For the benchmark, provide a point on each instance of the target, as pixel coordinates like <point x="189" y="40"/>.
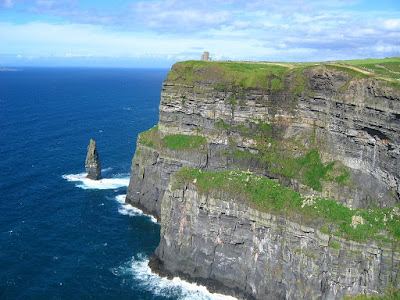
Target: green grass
<point x="270" y="196"/>
<point x="226" y="75"/>
<point x="182" y="142"/>
<point x="390" y="294"/>
<point x="152" y="139"/>
<point x="335" y="245"/>
<point x="312" y="169"/>
<point x="308" y="168"/>
<point x="387" y="67"/>
<point x="280" y="159"/>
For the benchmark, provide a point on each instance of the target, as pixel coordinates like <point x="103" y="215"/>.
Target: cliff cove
<point x="276" y="180"/>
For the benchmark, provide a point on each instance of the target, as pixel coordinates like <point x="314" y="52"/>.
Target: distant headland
<point x="8" y="69"/>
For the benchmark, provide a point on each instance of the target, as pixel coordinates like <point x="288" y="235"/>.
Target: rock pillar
<point x="92" y="163"/>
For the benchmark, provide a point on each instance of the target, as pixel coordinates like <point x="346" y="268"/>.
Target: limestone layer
<point x="253" y="254"/>
<point x="356" y="121"/>
<point x="348" y="124"/>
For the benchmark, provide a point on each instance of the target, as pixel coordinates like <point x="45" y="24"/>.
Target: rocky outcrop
<point x="92" y="163"/>
<point x="251" y="254"/>
<point x="319" y="130"/>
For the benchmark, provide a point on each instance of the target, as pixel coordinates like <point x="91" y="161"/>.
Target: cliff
<point x="329" y="133"/>
<point x="214" y="235"/>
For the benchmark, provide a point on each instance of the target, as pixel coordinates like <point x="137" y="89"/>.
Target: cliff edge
<point x="319" y="147"/>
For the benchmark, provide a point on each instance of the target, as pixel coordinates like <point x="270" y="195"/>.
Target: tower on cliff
<point x="92" y="163"/>
<point x="206" y="56"/>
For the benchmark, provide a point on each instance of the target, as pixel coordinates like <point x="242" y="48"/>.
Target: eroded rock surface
<point x="346" y="127"/>
<point x="242" y="251"/>
<point x="92" y="163"/>
<point x="355" y="124"/>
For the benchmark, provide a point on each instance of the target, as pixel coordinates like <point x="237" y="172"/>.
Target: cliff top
<point x="272" y="75"/>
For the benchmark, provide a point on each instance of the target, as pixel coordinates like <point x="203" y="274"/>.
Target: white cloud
<point x="178" y="29"/>
<point x="387" y="48"/>
<point x="392" y="24"/>
<point x="69" y="54"/>
<point x="178" y="15"/>
<point x="90" y="40"/>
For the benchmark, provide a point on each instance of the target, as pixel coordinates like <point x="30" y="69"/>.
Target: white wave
<point x="126" y="209"/>
<point x="102" y="184"/>
<point x="138" y="268"/>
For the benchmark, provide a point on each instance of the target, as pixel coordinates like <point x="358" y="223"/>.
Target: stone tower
<point x="206" y="56"/>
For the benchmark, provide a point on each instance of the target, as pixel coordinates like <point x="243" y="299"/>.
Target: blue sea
<point x="63" y="236"/>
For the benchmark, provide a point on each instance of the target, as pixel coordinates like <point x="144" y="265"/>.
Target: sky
<point x="157" y="33"/>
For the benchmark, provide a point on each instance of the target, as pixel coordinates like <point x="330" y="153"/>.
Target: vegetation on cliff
<point x="268" y="195"/>
<point x="326" y="129"/>
<point x="276" y="77"/>
<point x="298" y="157"/>
<point x="152" y="138"/>
<point x="388" y="67"/>
<point x="231" y="75"/>
<point x="390" y="294"/>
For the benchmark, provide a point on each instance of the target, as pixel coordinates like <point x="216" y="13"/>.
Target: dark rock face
<point x="256" y="255"/>
<point x="92" y="163"/>
<point x="231" y="247"/>
<point x="359" y="127"/>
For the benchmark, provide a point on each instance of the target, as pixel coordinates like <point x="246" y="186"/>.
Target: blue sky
<point x="157" y="33"/>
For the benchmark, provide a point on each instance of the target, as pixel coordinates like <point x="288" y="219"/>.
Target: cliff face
<point x="254" y="254"/>
<point x="322" y="130"/>
<point x="353" y="123"/>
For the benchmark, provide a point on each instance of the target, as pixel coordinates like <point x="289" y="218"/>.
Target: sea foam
<point x="177" y="288"/>
<point x="118" y="181"/>
<point x="126" y="209"/>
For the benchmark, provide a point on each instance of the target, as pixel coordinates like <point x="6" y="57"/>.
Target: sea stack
<point x="92" y="163"/>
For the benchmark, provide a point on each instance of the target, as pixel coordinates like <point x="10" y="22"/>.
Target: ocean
<point x="63" y="236"/>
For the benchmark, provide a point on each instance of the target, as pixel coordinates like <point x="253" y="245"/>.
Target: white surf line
<point x="160" y="286"/>
<point x="127" y="209"/>
<point x="102" y="184"/>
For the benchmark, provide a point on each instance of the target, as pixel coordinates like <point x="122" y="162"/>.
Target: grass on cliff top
<point x="152" y="139"/>
<point x="272" y="76"/>
<point x="268" y="195"/>
<point x="228" y="74"/>
<point x="388" y="67"/>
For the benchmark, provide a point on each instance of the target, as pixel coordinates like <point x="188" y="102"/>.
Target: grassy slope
<point x="387" y="67"/>
<point x="272" y="75"/>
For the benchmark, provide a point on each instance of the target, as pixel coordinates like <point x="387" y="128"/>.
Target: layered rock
<point x="319" y="130"/>
<point x="92" y="163"/>
<point x="224" y="243"/>
<point x="356" y="123"/>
